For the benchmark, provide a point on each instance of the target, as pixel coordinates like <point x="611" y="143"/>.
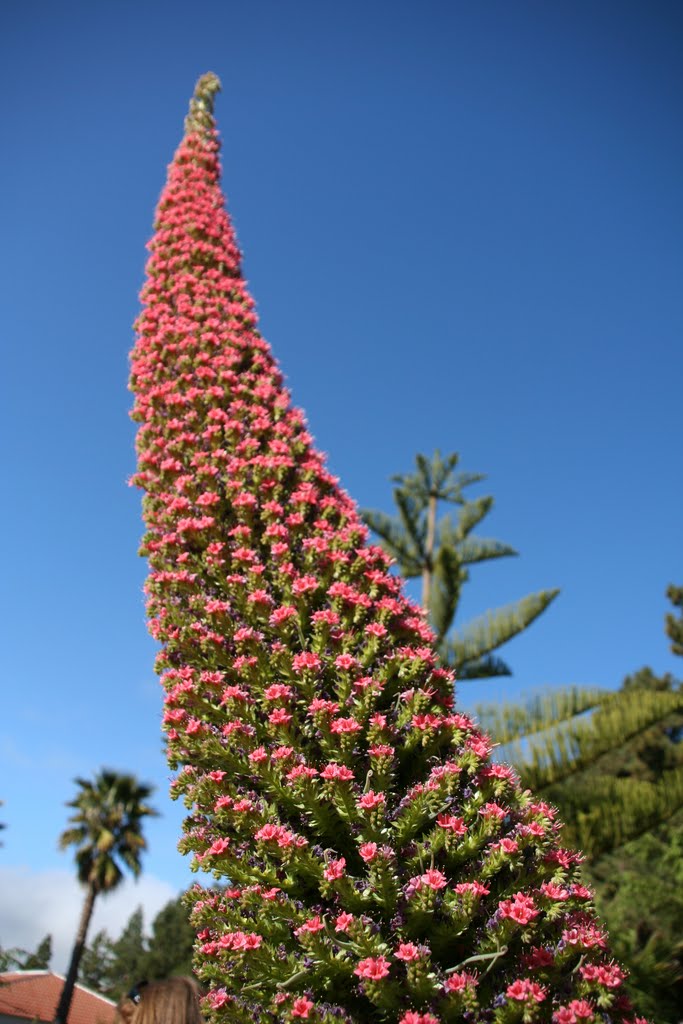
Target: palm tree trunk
<point x="64" y="1006"/>
<point x="429" y="551"/>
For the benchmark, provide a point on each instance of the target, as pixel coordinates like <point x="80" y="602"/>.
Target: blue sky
<point x="462" y="224"/>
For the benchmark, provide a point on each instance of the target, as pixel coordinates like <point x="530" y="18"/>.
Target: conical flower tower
<point x="373" y="863"/>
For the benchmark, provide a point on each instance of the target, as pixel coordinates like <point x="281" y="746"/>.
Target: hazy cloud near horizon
<point x="37" y="903"/>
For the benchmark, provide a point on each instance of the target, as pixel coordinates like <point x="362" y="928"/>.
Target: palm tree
<point x="106" y="830"/>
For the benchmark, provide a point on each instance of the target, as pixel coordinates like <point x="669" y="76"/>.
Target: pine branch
<point x="492" y="630"/>
<point x="618" y="810"/>
<point x="508" y="723"/>
<point x="394" y="541"/>
<point x="489" y="667"/>
<point x="481" y="549"/>
<point x="551" y="758"/>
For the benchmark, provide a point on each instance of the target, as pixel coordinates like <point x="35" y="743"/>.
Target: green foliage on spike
<point x="442" y="551"/>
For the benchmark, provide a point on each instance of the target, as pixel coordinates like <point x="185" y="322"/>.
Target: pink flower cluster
<point x="356" y="814"/>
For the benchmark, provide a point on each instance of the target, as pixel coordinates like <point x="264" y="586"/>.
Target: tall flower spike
<point x="377" y="864"/>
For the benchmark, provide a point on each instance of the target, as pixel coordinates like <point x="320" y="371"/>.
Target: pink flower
<point x="279" y="717"/>
<point x="523" y="990"/>
<point x="434" y="879"/>
<point x="334" y="869"/>
<point x="301" y="1007"/>
<point x="217" y="848"/>
<point x="537" y="957"/>
<point x="554" y="892"/>
<point x="282" y="753"/>
<point x="520" y="908"/>
<point x="341" y="725"/>
<point x="370" y="800"/>
<point x="408" y="951"/>
<point x="368" y="851"/>
<point x="318" y="705"/>
<point x="326" y="616"/>
<point x="336" y="772"/>
<point x="506" y="845"/>
<point x="581" y="1009"/>
<point x="278" y="691"/>
<point x="268" y="832"/>
<point x="343" y="921"/>
<point x="459" y="981"/>
<point x="313" y="925"/>
<point x="305" y="660"/>
<point x="301" y="771"/>
<point x="304" y="585"/>
<point x="218" y="997"/>
<point x="452" y="824"/>
<point x="609" y="975"/>
<point x="564" y="1016"/>
<point x="492" y="810"/>
<point x="243" y="805"/>
<point x="498" y="771"/>
<point x="281" y="615"/>
<point x="381" y="750"/>
<point x="345" y="662"/>
<point x="374" y="968"/>
<point x="475" y="887"/>
<point x="426" y="721"/>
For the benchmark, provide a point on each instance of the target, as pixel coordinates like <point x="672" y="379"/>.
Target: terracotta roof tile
<point x="33" y="995"/>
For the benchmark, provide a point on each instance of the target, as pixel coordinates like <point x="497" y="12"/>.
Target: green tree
<point x="106" y="831"/>
<point x="17" y="959"/>
<point x="96" y="969"/>
<point x="612" y="761"/>
<point x="129" y="953"/>
<point x="639" y="892"/>
<point x="441" y="551"/>
<point x="170" y="947"/>
<point x="40" y="959"/>
<point x="573" y="748"/>
<point x="113" y="966"/>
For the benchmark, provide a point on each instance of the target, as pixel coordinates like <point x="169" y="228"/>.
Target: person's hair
<point x="173" y="1001"/>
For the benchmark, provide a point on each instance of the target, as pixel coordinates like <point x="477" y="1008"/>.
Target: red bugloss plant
<point x="376" y="864"/>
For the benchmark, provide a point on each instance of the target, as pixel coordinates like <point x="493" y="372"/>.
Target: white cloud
<point x="35" y="903"/>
